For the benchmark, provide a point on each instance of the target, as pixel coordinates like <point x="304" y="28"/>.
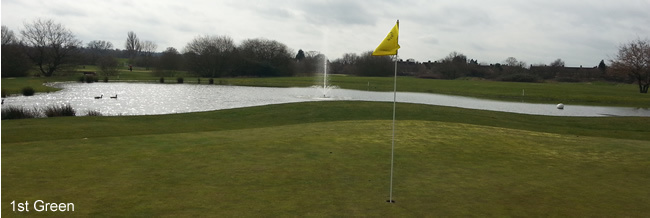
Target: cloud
<point x="536" y="31"/>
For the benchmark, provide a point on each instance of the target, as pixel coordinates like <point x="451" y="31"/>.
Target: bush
<point x="211" y="81"/>
<point x="179" y="80"/>
<point x="60" y="111"/>
<point x="4" y="93"/>
<point x="88" y="79"/>
<point x="162" y="80"/>
<point x="567" y="80"/>
<point x="15" y="112"/>
<point x="28" y="91"/>
<point x="520" y="77"/>
<point x="199" y="81"/>
<point x="105" y="79"/>
<point x="94" y="114"/>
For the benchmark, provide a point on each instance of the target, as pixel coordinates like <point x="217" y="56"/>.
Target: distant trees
<point x="96" y="49"/>
<point x="108" y="65"/>
<point x="208" y="56"/>
<point x="132" y="45"/>
<point x="454" y="66"/>
<point x="14" y="61"/>
<point x="264" y="57"/>
<point x="170" y="61"/>
<point x="633" y="59"/>
<point x="50" y="45"/>
<point x="368" y="65"/>
<point x="148" y="49"/>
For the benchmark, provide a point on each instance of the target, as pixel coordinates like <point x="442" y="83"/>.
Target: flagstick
<point x="392" y="152"/>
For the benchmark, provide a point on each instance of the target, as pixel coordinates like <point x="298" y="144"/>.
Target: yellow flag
<point x="389" y="46"/>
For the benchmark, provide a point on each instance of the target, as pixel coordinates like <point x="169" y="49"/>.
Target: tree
<point x="132" y="46"/>
<point x="108" y="65"/>
<point x="170" y="61"/>
<point x="14" y="61"/>
<point x="8" y="36"/>
<point x="96" y="49"/>
<point x="454" y="66"/>
<point x="264" y="57"/>
<point x="633" y="59"/>
<point x="300" y="55"/>
<point x="148" y="49"/>
<point x="369" y="65"/>
<point x="602" y="66"/>
<point x="210" y="56"/>
<point x="50" y="45"/>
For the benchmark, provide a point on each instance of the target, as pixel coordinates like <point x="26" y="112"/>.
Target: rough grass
<point x="59" y="111"/>
<point x="333" y="169"/>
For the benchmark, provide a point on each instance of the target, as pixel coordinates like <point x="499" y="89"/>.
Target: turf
<point x="330" y="159"/>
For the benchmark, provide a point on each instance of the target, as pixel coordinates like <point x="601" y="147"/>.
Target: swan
<point x="96" y="97"/>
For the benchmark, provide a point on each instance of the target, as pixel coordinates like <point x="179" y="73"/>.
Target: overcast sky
<point x="580" y="32"/>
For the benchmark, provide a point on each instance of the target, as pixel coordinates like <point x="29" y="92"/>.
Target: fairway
<point x="275" y="161"/>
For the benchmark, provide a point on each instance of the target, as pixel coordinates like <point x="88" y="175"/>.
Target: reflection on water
<point x="145" y="99"/>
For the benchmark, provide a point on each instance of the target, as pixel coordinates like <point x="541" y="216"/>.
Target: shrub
<point x="567" y="79"/>
<point x="179" y="80"/>
<point x="60" y="111"/>
<point x="15" y="112"/>
<point x="105" y="79"/>
<point x="199" y="81"/>
<point x="28" y="91"/>
<point x="520" y="77"/>
<point x="90" y="79"/>
<point x="94" y="114"/>
<point x="162" y="80"/>
<point x="4" y="93"/>
<point x="211" y="81"/>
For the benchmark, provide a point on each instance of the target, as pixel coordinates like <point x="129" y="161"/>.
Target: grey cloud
<point x="339" y="12"/>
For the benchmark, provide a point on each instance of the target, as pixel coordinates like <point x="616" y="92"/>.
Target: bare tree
<point x="208" y="56"/>
<point x="100" y="45"/>
<point x="633" y="59"/>
<point x="96" y="49"/>
<point x="170" y="61"/>
<point x="50" y="45"/>
<point x="108" y="65"/>
<point x="148" y="49"/>
<point x="132" y="45"/>
<point x="8" y="36"/>
<point x="14" y="61"/>
<point x="265" y="57"/>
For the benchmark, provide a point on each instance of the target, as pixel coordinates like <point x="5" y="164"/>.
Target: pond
<point x="148" y="99"/>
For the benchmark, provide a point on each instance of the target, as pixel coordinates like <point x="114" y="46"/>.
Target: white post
<point x="392" y="153"/>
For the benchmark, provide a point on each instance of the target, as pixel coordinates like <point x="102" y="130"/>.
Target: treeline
<point x="55" y="50"/>
<point x="457" y="65"/>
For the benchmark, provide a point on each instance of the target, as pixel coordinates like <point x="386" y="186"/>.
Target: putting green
<point x="333" y="169"/>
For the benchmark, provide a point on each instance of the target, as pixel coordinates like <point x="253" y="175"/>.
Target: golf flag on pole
<point x="389" y="46"/>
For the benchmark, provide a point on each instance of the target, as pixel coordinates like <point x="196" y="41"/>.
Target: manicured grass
<point x="330" y="159"/>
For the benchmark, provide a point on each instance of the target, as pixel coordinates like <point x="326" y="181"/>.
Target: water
<point x="146" y="99"/>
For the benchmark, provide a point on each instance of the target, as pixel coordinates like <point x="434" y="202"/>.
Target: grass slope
<point x="295" y="113"/>
<point x="330" y="159"/>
